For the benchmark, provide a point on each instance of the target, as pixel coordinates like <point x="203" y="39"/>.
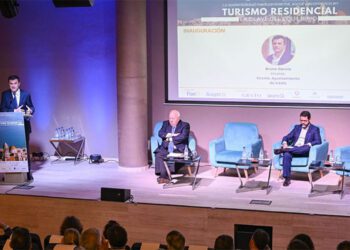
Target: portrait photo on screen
<point x="278" y="50"/>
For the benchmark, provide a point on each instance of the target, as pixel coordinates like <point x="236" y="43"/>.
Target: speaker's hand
<point x="19" y="109"/>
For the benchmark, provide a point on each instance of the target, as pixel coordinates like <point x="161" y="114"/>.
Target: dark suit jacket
<point x="286" y="57"/>
<point x="312" y="136"/>
<point x="180" y="141"/>
<point x="8" y="104"/>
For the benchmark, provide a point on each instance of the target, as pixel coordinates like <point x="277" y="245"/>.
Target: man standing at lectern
<point x="17" y="100"/>
<point x="298" y="143"/>
<point x="174" y="134"/>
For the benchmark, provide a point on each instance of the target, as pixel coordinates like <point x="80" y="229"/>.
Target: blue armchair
<point x="343" y="154"/>
<point x="229" y="147"/>
<point x="302" y="164"/>
<point x="156" y="140"/>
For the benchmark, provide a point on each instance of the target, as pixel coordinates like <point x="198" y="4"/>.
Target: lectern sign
<point x="13" y="148"/>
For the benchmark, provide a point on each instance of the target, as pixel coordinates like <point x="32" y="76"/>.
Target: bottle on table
<point x="244" y="155"/>
<point x="186" y="154"/>
<point x="261" y="155"/>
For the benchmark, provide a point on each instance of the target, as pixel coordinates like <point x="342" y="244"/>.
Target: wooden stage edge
<point x="151" y="223"/>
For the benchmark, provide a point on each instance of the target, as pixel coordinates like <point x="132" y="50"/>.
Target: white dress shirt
<point x="301" y="139"/>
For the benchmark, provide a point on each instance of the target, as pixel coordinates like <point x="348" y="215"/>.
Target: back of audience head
<point x="259" y="240"/>
<point x="175" y="240"/>
<point x="71" y="222"/>
<point x="108" y="225"/>
<point x="71" y="237"/>
<point x="296" y="244"/>
<point x="344" y="245"/>
<point x="306" y="239"/>
<point x="224" y="242"/>
<point x="91" y="239"/>
<point x="117" y="236"/>
<point x="20" y="239"/>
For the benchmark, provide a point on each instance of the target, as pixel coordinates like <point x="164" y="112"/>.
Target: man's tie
<point x="14" y="99"/>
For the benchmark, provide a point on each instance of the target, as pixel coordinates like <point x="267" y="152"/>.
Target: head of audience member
<point x="297" y="244"/>
<point x="71" y="222"/>
<point x="278" y="45"/>
<point x="117" y="237"/>
<point x="108" y="225"/>
<point x="305" y="117"/>
<point x="259" y="240"/>
<point x="174" y="117"/>
<point x="21" y="239"/>
<point x="71" y="237"/>
<point x="14" y="83"/>
<point x="344" y="245"/>
<point x="91" y="239"/>
<point x="224" y="242"/>
<point x="175" y="241"/>
<point x="306" y="239"/>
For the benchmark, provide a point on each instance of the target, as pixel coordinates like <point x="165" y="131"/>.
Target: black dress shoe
<point x="278" y="151"/>
<point x="286" y="182"/>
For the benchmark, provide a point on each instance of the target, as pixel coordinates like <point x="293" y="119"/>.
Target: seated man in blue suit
<point x="298" y="143"/>
<point x="174" y="134"/>
<point x="17" y="100"/>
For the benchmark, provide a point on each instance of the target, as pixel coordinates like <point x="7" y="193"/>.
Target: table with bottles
<point x="69" y="138"/>
<point x="246" y="163"/>
<point x="186" y="158"/>
<point x="333" y="166"/>
<point x="252" y="185"/>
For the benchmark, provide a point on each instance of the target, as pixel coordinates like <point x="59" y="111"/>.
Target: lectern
<point x="13" y="148"/>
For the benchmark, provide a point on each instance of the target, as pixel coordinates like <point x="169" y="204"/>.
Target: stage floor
<point x="84" y="180"/>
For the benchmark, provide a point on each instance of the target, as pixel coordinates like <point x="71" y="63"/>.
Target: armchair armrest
<point x="318" y="152"/>
<point x="192" y="144"/>
<point x="154" y="143"/>
<point x="254" y="148"/>
<point x="277" y="145"/>
<point x="215" y="146"/>
<point x="343" y="153"/>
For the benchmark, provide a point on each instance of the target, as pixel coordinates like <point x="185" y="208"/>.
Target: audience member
<point x="6" y="233"/>
<point x="224" y="242"/>
<point x="71" y="237"/>
<point x="68" y="222"/>
<point x="20" y="239"/>
<point x="71" y="222"/>
<point x="175" y="241"/>
<point x="91" y="239"/>
<point x="344" y="245"/>
<point x="306" y="239"/>
<point x="109" y="224"/>
<point x="117" y="237"/>
<point x="259" y="240"/>
<point x="297" y="244"/>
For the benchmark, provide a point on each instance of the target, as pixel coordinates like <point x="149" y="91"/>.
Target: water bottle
<point x="171" y="147"/>
<point x="244" y="155"/>
<point x="57" y="133"/>
<point x="331" y="156"/>
<point x="186" y="152"/>
<point x="261" y="155"/>
<point x="338" y="159"/>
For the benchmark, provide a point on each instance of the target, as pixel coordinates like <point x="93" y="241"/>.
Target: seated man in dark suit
<point x="298" y="143"/>
<point x="17" y="100"/>
<point x="174" y="134"/>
